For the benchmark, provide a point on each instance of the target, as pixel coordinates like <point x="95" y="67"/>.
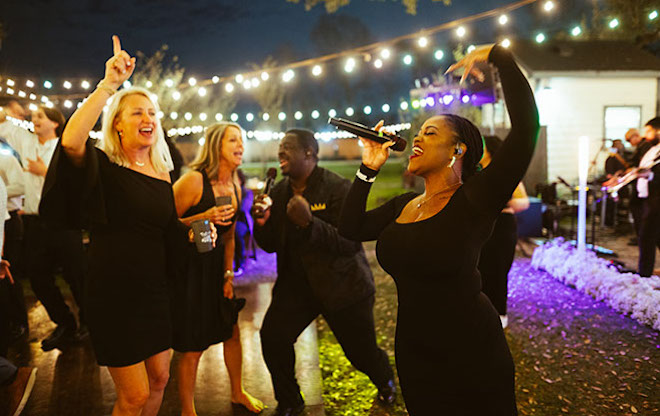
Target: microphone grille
<point x="271" y="173"/>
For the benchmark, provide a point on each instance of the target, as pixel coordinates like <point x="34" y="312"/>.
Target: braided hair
<point x="467" y="133"/>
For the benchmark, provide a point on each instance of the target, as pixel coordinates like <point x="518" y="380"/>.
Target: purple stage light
<point x="447" y="99"/>
<point x="465" y="99"/>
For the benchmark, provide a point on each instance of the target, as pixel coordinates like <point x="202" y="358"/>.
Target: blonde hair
<point x="111" y="143"/>
<point x="208" y="158"/>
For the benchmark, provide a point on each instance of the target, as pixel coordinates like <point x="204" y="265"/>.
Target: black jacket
<point x="336" y="268"/>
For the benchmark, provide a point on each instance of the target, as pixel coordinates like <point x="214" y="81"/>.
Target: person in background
<point x="16" y="382"/>
<point x="208" y="285"/>
<point x="11" y="295"/>
<point x="648" y="189"/>
<point x="498" y="252"/>
<point x="244" y="224"/>
<point x="318" y="272"/>
<point x="615" y="163"/>
<point x="47" y="246"/>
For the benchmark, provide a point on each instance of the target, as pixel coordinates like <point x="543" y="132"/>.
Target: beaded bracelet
<point x="104" y="87"/>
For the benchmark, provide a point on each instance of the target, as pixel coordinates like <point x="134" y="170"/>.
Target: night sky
<point x="60" y="39"/>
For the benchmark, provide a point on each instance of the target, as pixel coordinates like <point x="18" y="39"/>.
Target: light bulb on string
<point x="378" y="63"/>
<point x="281" y="116"/>
<point x="385" y="108"/>
<point x="215" y="79"/>
<point x="548" y="6"/>
<point x="33" y="97"/>
<point x="315" y="114"/>
<point x="653" y="15"/>
<point x="233" y="117"/>
<point x="176" y="95"/>
<point x="288" y="75"/>
<point x="10" y="82"/>
<point x="192" y="81"/>
<point x="218" y="117"/>
<point x="174" y="115"/>
<point x="264" y="76"/>
<point x="66" y="85"/>
<point x="169" y="83"/>
<point x="438" y="55"/>
<point x="385" y="53"/>
<point x="470" y="48"/>
<point x="317" y="70"/>
<point x="22" y="94"/>
<point x="576" y="31"/>
<point x="247" y="84"/>
<point x="540" y="38"/>
<point x="29" y="84"/>
<point x="349" y="66"/>
<point x="229" y="87"/>
<point x="265" y="117"/>
<point x="407" y="59"/>
<point x="505" y="43"/>
<point x="239" y="79"/>
<point x="127" y="84"/>
<point x="403" y="105"/>
<point x="48" y="85"/>
<point x="614" y="23"/>
<point x="350" y="111"/>
<point x="255" y="82"/>
<point x="249" y="117"/>
<point x="202" y="116"/>
<point x="149" y="84"/>
<point x="298" y="115"/>
<point x="460" y="32"/>
<point x="366" y="110"/>
<point x="503" y="19"/>
<point x="188" y="116"/>
<point x="423" y="42"/>
<point x="332" y="112"/>
<point x="201" y="91"/>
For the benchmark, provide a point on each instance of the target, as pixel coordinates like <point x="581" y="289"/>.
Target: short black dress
<point x="202" y="316"/>
<point x="451" y="354"/>
<point x="134" y="236"/>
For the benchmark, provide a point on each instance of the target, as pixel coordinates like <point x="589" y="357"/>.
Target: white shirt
<point x="29" y="147"/>
<point x="13" y="176"/>
<point x="647" y="162"/>
<point x="3" y="214"/>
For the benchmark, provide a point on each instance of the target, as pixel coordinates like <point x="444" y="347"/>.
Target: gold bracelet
<point x="104" y="87"/>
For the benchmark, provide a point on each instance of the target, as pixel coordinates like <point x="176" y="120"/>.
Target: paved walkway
<point x="71" y="383"/>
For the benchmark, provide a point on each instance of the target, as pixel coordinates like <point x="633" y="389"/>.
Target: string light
<point x="127" y="84"/>
<point x="288" y="75"/>
<point x="576" y="31"/>
<point x="548" y="5"/>
<point x="265" y="117"/>
<point x="239" y="79"/>
<point x="350" y="65"/>
<point x="385" y="108"/>
<point x="10" y="82"/>
<point x="317" y="70"/>
<point x="192" y="81"/>
<point x="234" y="117"/>
<point x="505" y="43"/>
<point x="403" y="105"/>
<point x="614" y="23"/>
<point x="22" y="94"/>
<point x="298" y="115"/>
<point x="264" y="76"/>
<point x="385" y="53"/>
<point x="188" y="116"/>
<point x="48" y="85"/>
<point x="247" y="84"/>
<point x="281" y="116"/>
<point x="438" y="55"/>
<point x="174" y="115"/>
<point x="315" y="114"/>
<point x="176" y="95"/>
<point x="33" y="107"/>
<point x="249" y="117"/>
<point x="169" y="83"/>
<point x="471" y="48"/>
<point x="255" y="82"/>
<point x="504" y="19"/>
<point x="378" y="63"/>
<point x="423" y="42"/>
<point x="215" y="79"/>
<point x="350" y="111"/>
<point x="202" y="116"/>
<point x="366" y="110"/>
<point x="460" y="32"/>
<point x="29" y="84"/>
<point x="33" y="97"/>
<point x="540" y="38"/>
<point x="332" y="112"/>
<point x="407" y="59"/>
<point x="653" y="15"/>
<point x="201" y="91"/>
<point x="66" y="85"/>
<point x="229" y="87"/>
<point x="218" y="117"/>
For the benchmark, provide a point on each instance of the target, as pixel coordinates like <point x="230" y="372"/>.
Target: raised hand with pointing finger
<point x="119" y="67"/>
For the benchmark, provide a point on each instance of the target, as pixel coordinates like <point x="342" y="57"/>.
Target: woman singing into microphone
<point x="451" y="353"/>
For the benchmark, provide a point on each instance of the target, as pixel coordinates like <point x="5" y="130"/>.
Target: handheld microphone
<point x="367" y="133"/>
<point x="271" y="174"/>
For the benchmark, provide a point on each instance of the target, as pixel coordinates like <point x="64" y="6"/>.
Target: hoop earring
<point x="453" y="160"/>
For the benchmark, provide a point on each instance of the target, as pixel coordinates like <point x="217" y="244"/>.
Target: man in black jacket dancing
<point x="319" y="272"/>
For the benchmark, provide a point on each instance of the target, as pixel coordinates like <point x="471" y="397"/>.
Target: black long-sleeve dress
<point x="135" y="238"/>
<point x="451" y="353"/>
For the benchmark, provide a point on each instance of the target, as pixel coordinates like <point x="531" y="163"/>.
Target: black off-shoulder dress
<point x="451" y="353"/>
<point x="134" y="237"/>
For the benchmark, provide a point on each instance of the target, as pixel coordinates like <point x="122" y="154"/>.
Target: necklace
<point x="140" y="164"/>
<point x="455" y="186"/>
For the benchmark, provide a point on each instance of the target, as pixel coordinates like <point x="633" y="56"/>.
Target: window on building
<point x="619" y="119"/>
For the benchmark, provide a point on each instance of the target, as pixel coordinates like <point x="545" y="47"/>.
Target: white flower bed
<point x="627" y="293"/>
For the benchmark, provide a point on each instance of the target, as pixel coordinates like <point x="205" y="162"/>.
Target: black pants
<point x="636" y="207"/>
<point x="290" y="313"/>
<point x="48" y="248"/>
<point x="649" y="235"/>
<point x="496" y="259"/>
<point x="11" y="296"/>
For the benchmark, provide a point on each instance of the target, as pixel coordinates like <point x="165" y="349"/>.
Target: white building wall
<point x="574" y="107"/>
